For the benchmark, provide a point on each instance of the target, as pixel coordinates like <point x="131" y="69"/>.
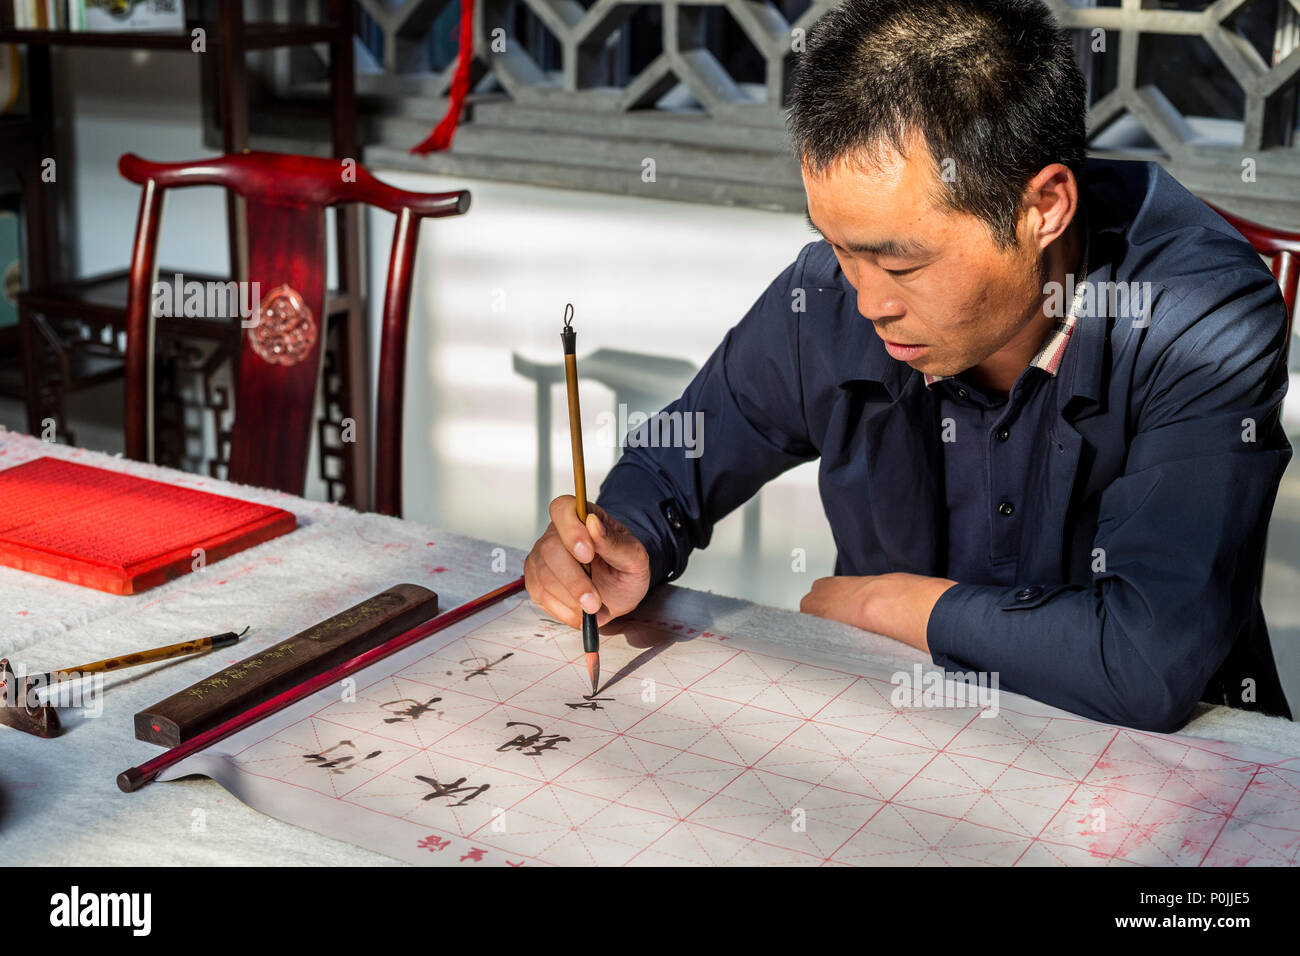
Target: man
<point x="1045" y="391"/>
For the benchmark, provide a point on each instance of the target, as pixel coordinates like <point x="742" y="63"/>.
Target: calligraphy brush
<point x="200" y="646"/>
<point x="590" y="636"/>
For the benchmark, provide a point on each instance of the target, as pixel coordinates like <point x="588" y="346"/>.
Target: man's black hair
<point x="991" y="85"/>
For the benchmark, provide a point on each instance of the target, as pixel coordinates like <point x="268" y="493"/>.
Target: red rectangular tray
<point x="119" y="533"/>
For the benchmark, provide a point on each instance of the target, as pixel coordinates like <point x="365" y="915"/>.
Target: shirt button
<point x="1029" y="593"/>
<point x="1003" y="434"/>
<point x="962" y="393"/>
<point x="671" y="514"/>
<point x="1006" y="508"/>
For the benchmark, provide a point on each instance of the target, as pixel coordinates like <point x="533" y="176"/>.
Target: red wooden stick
<point x="137" y="777"/>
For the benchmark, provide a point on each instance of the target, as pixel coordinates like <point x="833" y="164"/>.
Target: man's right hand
<point x="620" y="567"/>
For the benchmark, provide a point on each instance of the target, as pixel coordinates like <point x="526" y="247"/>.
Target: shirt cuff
<point x="632" y="497"/>
<point x="949" y="626"/>
<point x="964" y="619"/>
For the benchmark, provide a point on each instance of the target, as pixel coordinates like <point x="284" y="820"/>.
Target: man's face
<point x="938" y="290"/>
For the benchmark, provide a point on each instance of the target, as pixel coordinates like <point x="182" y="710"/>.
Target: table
<point x="336" y="558"/>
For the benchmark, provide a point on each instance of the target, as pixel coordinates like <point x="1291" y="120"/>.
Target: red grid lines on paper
<point x="713" y="753"/>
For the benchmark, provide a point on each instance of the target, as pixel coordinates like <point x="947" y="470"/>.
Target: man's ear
<point x="1049" y="203"/>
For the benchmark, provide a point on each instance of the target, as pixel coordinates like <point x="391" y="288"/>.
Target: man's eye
<point x="902" y="272"/>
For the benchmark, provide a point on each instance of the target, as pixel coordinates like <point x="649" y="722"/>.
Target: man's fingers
<point x="574" y="534"/>
<point x="571" y="592"/>
<point x="536" y="593"/>
<point x="617" y="546"/>
<point x="600" y="522"/>
<point x="598" y="528"/>
<point x="539" y="593"/>
<point x="814" y="602"/>
<point x="571" y="579"/>
<point x="558" y="609"/>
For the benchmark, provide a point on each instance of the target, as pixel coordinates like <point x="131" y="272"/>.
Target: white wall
<point x="112" y="102"/>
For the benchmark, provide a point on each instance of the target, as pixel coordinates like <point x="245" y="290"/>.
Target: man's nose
<point x="876" y="303"/>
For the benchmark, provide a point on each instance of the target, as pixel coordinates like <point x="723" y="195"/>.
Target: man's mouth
<point x="903" y="350"/>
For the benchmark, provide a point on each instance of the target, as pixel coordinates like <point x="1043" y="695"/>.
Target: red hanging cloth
<point x="441" y="136"/>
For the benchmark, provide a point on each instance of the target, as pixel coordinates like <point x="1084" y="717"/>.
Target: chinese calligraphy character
<point x="589" y="703"/>
<point x="338" y="764"/>
<point x="412" y="712"/>
<point x="530" y="740"/>
<point x="433" y="843"/>
<point x="450" y="790"/>
<point x="474" y="854"/>
<point x="487" y="666"/>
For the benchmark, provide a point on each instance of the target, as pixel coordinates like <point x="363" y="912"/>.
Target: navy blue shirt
<point x="1125" y="584"/>
<point x="991" y="444"/>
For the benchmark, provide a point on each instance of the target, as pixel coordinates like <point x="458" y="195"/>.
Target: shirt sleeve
<point x="744" y="414"/>
<point x="1180" y="535"/>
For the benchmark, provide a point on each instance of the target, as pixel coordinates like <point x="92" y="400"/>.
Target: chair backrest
<point x="283" y="344"/>
<point x="1282" y="247"/>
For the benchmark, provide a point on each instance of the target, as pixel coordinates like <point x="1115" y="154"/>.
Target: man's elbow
<point x="1160" y="704"/>
<point x="1155" y="671"/>
<point x="1162" y="720"/>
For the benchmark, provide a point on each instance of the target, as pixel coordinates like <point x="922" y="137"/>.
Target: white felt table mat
<point x="59" y="803"/>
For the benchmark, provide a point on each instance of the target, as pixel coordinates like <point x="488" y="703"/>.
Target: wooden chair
<point x="280" y="358"/>
<point x="1282" y="247"/>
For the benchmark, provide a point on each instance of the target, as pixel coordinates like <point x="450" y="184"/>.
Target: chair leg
<point x="354" y="364"/>
<point x="43" y="383"/>
<point x="329" y="427"/>
<point x="31" y="369"/>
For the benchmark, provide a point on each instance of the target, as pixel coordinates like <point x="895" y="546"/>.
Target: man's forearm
<point x="897" y="605"/>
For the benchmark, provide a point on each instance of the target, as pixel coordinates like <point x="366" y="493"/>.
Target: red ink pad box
<point x="118" y="533"/>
